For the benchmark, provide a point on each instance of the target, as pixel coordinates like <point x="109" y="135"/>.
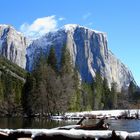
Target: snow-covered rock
<point x="13" y="45"/>
<point x="89" y="53"/>
<point x="69" y="134"/>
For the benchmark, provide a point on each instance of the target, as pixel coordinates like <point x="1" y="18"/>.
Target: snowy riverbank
<point x="50" y="134"/>
<point x="104" y="113"/>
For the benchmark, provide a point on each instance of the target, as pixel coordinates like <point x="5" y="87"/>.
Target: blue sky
<point x="120" y="19"/>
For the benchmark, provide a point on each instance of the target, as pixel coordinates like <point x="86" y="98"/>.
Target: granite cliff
<point x="88" y="50"/>
<point x="13" y="45"/>
<point x="89" y="53"/>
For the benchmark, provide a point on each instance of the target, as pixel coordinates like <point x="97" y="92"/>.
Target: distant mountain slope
<point x="6" y="66"/>
<point x="13" y="45"/>
<point x="89" y="53"/>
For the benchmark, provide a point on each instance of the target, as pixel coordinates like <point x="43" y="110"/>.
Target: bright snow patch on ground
<point x="75" y="133"/>
<point x="104" y="112"/>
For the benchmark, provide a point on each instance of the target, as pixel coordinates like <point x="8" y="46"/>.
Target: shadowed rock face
<point x="13" y="45"/>
<point x="88" y="50"/>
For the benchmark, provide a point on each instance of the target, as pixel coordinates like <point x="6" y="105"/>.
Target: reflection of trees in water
<point x="16" y="123"/>
<point x="12" y="123"/>
<point x="27" y="123"/>
<point x="41" y="123"/>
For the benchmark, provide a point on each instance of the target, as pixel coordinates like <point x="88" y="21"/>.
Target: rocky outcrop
<point x="13" y="45"/>
<point x="89" y="53"/>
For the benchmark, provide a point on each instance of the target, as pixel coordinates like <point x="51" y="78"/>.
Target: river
<point x="15" y="123"/>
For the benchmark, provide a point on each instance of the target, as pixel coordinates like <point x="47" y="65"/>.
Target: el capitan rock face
<point x="88" y="50"/>
<point x="13" y="45"/>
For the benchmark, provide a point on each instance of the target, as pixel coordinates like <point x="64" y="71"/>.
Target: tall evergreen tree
<point x="27" y="99"/>
<point x="113" y="95"/>
<point x="131" y="89"/>
<point x="105" y="94"/>
<point x="52" y="61"/>
<point x="1" y="91"/>
<point x="75" y="103"/>
<point x="66" y="63"/>
<point x="87" y="96"/>
<point x="97" y="89"/>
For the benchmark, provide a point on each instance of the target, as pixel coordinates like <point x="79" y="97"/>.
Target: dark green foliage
<point x="66" y="64"/>
<point x="75" y="102"/>
<point x="98" y="91"/>
<point x="106" y="95"/>
<point x="131" y="89"/>
<point x="11" y="84"/>
<point x="113" y="96"/>
<point x="27" y="93"/>
<point x="11" y="89"/>
<point x="134" y="94"/>
<point x="52" y="92"/>
<point x="103" y="96"/>
<point x="52" y="61"/>
<point x="49" y="90"/>
<point x="5" y="64"/>
<point x="87" y="97"/>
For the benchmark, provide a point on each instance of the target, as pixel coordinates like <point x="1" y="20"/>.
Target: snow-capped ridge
<point x="69" y="27"/>
<point x="7" y="26"/>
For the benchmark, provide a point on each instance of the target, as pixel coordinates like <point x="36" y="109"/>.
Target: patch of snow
<point x="135" y="135"/>
<point x="68" y="27"/>
<point x="104" y="112"/>
<point x="72" y="27"/>
<point x="122" y="134"/>
<point x="75" y="133"/>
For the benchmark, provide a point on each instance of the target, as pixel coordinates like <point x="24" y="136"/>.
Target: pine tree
<point x="105" y="94"/>
<point x="66" y="63"/>
<point x="97" y="89"/>
<point x="52" y="61"/>
<point x="87" y="96"/>
<point x="1" y="91"/>
<point x="113" y="95"/>
<point x="131" y="89"/>
<point x="27" y="99"/>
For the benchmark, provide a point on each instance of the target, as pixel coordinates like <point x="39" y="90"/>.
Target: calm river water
<point x="15" y="123"/>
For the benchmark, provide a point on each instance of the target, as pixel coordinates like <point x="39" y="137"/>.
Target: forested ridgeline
<point x="53" y="88"/>
<point x="12" y="79"/>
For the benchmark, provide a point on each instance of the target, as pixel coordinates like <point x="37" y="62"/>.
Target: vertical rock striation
<point x="13" y="45"/>
<point x="89" y="53"/>
<point x="88" y="50"/>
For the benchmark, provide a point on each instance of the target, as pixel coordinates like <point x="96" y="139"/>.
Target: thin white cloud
<point x="61" y="18"/>
<point x="87" y="15"/>
<point x="39" y="27"/>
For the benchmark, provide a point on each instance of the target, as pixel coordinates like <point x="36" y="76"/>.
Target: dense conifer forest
<point x="53" y="88"/>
